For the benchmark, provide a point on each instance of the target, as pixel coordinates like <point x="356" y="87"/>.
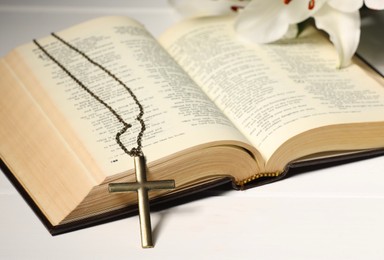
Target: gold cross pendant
<point x="142" y="186"/>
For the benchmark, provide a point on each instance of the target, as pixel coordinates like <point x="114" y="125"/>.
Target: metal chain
<point x="135" y="151"/>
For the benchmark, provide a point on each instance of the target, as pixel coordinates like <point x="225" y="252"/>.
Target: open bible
<point x="218" y="109"/>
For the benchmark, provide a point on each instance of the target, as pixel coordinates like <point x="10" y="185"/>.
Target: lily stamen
<point x="236" y="8"/>
<point x="311" y="3"/>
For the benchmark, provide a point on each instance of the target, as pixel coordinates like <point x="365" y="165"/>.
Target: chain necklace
<point x="141" y="186"/>
<point x="135" y="151"/>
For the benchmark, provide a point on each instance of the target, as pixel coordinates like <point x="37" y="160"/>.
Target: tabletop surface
<point x="330" y="213"/>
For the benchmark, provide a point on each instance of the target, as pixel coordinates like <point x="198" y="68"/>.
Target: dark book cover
<point x="185" y="196"/>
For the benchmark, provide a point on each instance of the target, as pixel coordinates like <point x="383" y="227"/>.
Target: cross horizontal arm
<point x="124" y="186"/>
<point x="160" y="185"/>
<point x="134" y="186"/>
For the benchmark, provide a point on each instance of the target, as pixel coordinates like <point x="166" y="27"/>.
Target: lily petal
<point x="190" y="8"/>
<point x="346" y="5"/>
<point x="292" y="32"/>
<point x="298" y="11"/>
<point x="343" y="29"/>
<point x="375" y="4"/>
<point x="264" y="21"/>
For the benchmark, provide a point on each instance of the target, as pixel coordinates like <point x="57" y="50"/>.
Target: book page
<point x="273" y="92"/>
<point x="177" y="114"/>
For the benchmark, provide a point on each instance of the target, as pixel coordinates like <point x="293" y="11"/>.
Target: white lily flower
<point x="339" y="18"/>
<point x="264" y="21"/>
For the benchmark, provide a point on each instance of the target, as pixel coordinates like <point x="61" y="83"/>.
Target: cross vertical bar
<point x="143" y="200"/>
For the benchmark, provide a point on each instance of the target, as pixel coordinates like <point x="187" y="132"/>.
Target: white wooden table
<point x="333" y="213"/>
